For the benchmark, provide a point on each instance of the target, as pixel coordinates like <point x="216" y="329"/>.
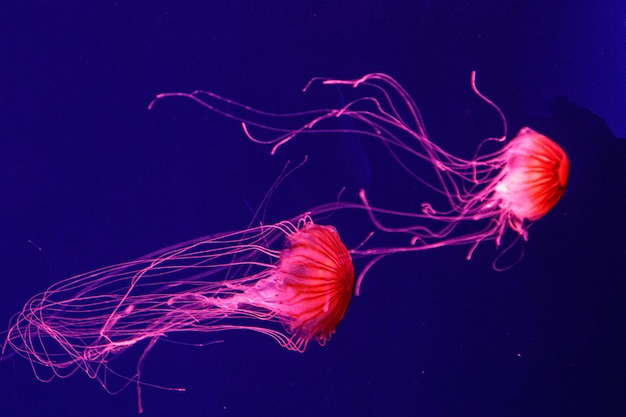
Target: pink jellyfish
<point x="486" y="195"/>
<point x="238" y="280"/>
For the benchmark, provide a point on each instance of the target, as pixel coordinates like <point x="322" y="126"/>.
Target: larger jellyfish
<point x="489" y="194"/>
<point x="294" y="292"/>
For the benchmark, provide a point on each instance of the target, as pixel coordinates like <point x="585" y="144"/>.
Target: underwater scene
<point x="358" y="208"/>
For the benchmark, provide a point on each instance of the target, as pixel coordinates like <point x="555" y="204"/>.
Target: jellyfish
<point x="484" y="196"/>
<point x="240" y="280"/>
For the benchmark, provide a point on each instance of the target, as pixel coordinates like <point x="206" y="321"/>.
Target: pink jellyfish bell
<point x="534" y="176"/>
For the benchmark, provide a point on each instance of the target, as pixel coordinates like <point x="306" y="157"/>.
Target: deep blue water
<point x="92" y="178"/>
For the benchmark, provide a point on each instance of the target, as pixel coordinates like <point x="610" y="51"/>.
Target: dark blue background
<point x="92" y="177"/>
